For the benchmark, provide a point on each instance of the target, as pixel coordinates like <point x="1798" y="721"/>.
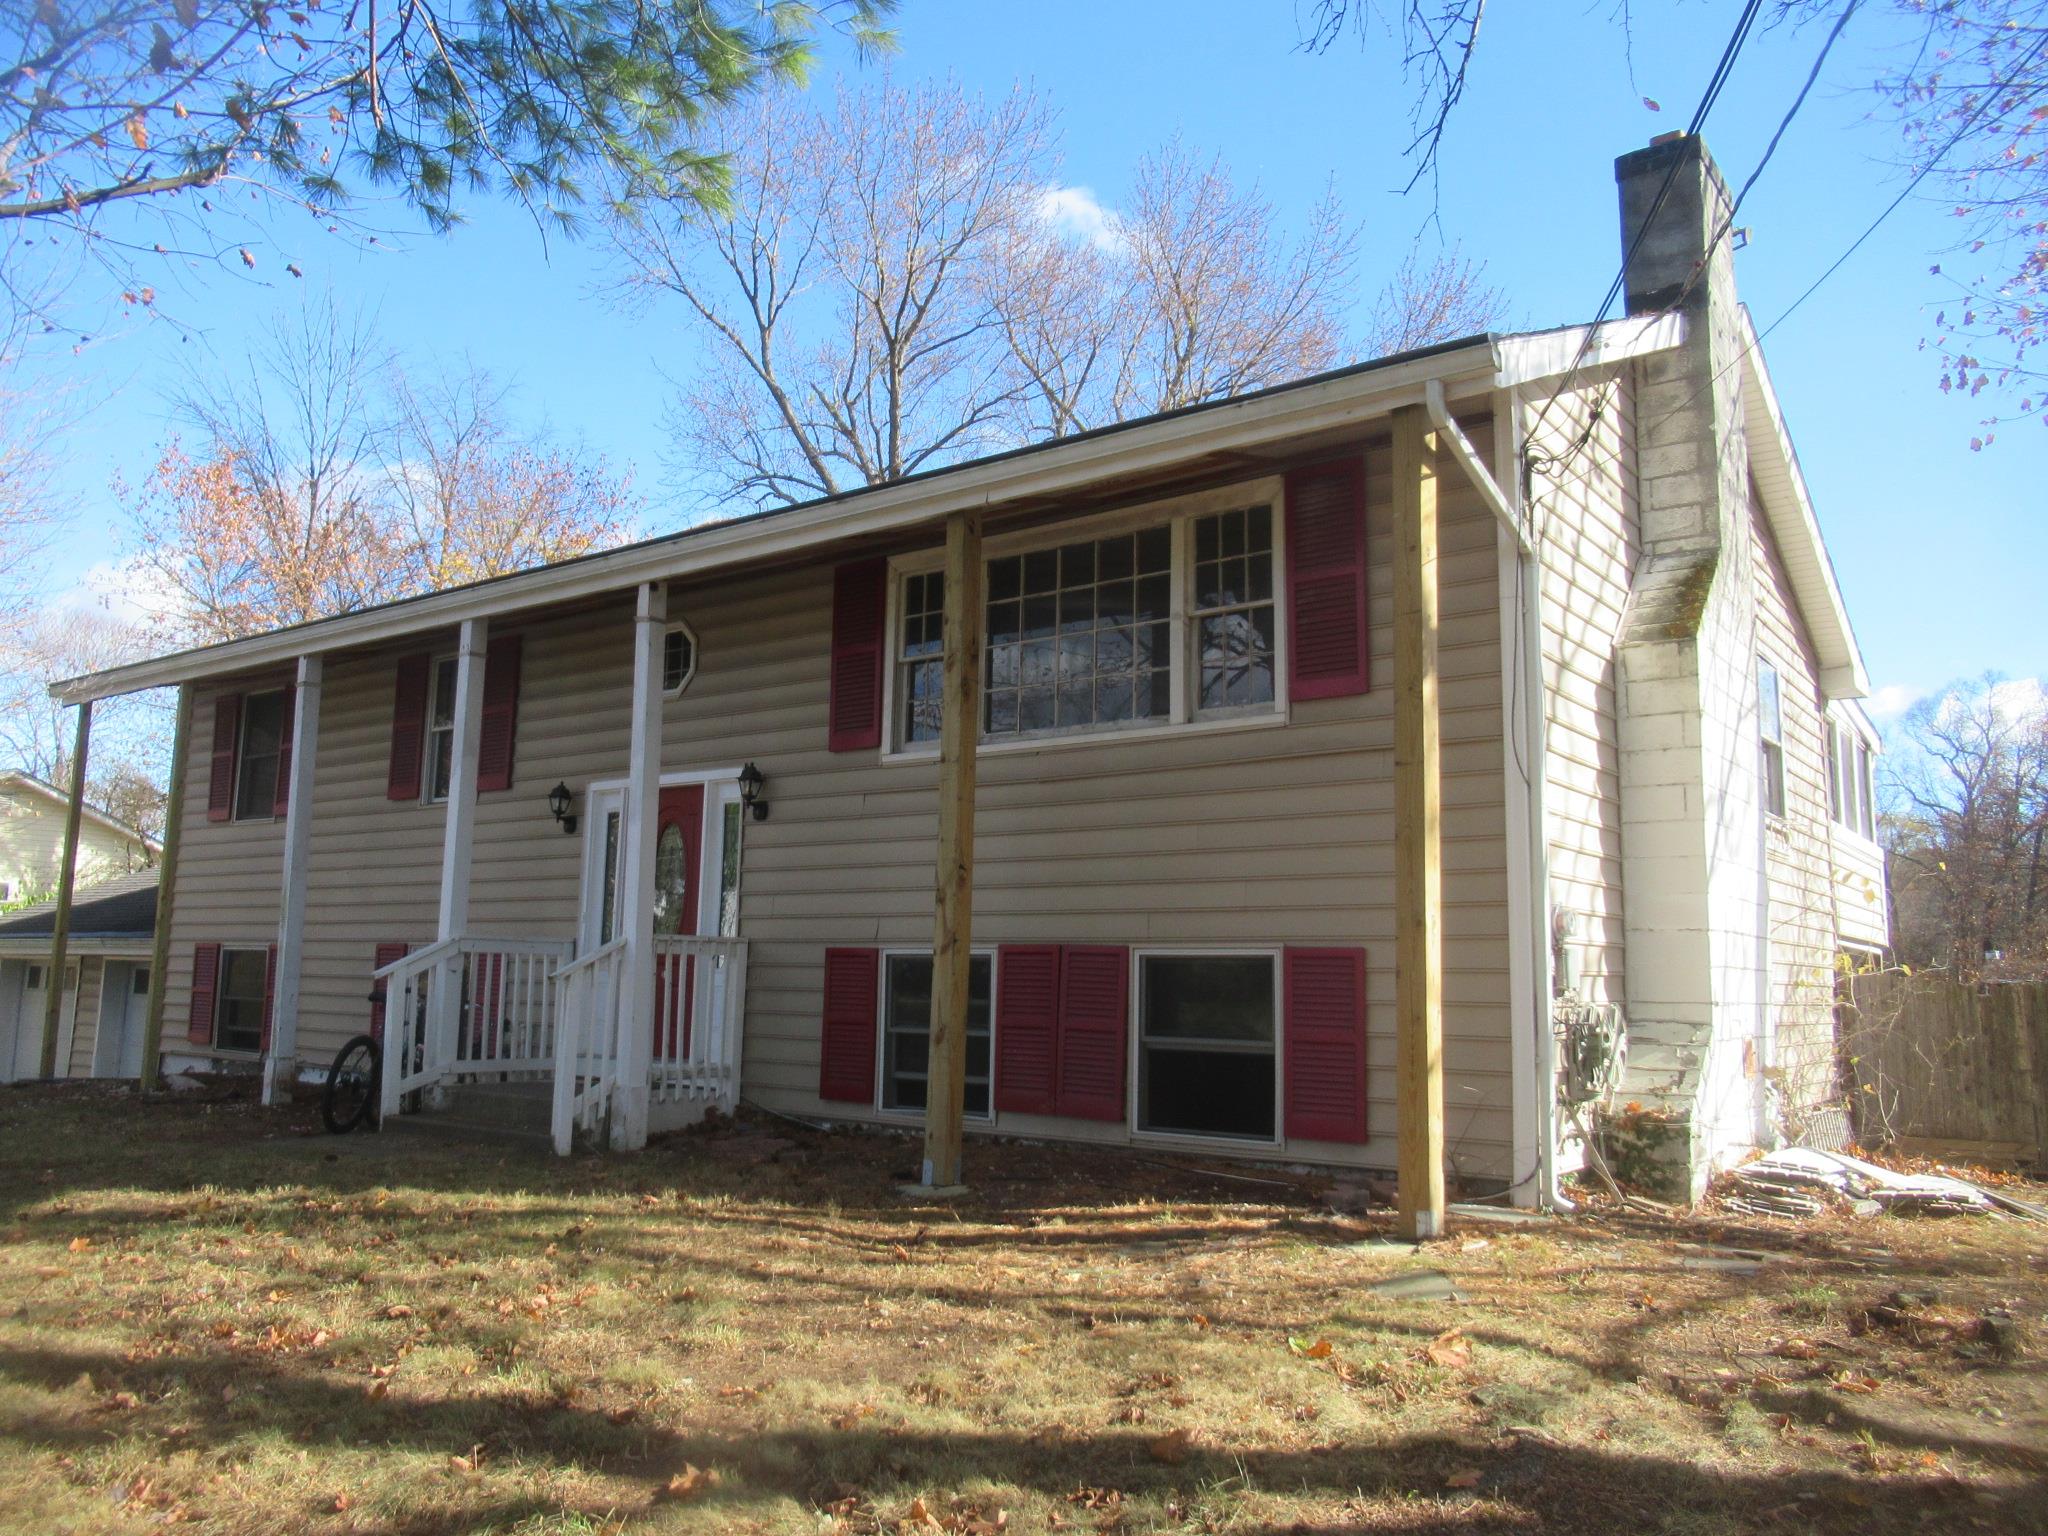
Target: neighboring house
<point x="1194" y="851"/>
<point x="106" y="982"/>
<point x="32" y="841"/>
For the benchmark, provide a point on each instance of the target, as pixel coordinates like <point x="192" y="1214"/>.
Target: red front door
<point x="678" y="862"/>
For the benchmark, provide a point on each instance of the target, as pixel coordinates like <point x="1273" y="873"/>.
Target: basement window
<point x="906" y="1033"/>
<point x="1208" y="1059"/>
<point x="238" y="1012"/>
<point x="1771" y="729"/>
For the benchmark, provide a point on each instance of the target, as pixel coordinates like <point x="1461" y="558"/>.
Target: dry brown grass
<point x="210" y="1315"/>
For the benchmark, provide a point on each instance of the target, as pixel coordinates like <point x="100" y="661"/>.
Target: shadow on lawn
<point x="1571" y="1488"/>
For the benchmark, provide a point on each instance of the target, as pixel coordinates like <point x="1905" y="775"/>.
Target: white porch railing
<point x="700" y="999"/>
<point x="469" y="1009"/>
<point x="589" y="1006"/>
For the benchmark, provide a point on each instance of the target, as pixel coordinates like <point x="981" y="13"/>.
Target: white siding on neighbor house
<point x="1264" y="836"/>
<point x="1590" y="543"/>
<point x="32" y="848"/>
<point x="1799" y="996"/>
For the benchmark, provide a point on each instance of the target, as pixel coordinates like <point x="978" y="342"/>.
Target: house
<point x="1398" y="768"/>
<point x="102" y="1009"/>
<point x="32" y="841"/>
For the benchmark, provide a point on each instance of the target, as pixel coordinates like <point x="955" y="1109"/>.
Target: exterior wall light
<point x="558" y="804"/>
<point x="751" y="780"/>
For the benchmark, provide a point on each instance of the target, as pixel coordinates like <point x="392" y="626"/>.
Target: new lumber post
<point x="1418" y="833"/>
<point x="953" y="921"/>
<point x="166" y="895"/>
<point x="67" y="877"/>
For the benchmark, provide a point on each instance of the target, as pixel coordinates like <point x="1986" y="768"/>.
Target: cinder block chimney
<point x="1692" y="851"/>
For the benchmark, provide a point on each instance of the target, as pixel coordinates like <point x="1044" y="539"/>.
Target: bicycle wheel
<point x="350" y="1098"/>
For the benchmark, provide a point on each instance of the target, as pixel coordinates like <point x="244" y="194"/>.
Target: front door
<point x="678" y="866"/>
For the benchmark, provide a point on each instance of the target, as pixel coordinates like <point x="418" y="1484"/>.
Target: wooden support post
<point x="953" y="919"/>
<point x="641" y="826"/>
<point x="281" y="1065"/>
<point x="67" y="877"/>
<point x="166" y="898"/>
<point x="1418" y="836"/>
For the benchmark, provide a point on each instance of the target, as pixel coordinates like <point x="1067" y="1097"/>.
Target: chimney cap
<point x="1668" y="138"/>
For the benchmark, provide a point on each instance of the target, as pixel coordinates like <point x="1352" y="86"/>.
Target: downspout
<point x="1509" y="510"/>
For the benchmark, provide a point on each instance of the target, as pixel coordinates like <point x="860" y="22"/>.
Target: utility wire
<point x="1708" y="97"/>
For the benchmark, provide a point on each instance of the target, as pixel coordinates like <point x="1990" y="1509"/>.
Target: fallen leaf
<point x="399" y="1309"/>
<point x="624" y="1415"/>
<point x="691" y="1481"/>
<point x="80" y="1244"/>
<point x="1464" y="1477"/>
<point x="1319" y="1350"/>
<point x="1450" y="1349"/>
<point x="341" y="1503"/>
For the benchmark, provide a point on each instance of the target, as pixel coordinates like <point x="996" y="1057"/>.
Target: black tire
<point x="353" y="1088"/>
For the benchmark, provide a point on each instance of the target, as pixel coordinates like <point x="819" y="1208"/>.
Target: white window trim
<point x="1859" y="794"/>
<point x="241" y="757"/>
<point x="429" y="731"/>
<point x="1180" y="512"/>
<point x="1775" y="819"/>
<point x="912" y="1117"/>
<point x="1135" y="1031"/>
<point x="679" y="627"/>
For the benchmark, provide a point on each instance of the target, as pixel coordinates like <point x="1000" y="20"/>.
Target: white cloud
<point x="1890" y="702"/>
<point x="123" y="591"/>
<point x="1077" y="213"/>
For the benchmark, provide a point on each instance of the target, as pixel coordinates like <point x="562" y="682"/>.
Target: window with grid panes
<point x="1081" y="635"/>
<point x="1233" y="608"/>
<point x="921" y="661"/>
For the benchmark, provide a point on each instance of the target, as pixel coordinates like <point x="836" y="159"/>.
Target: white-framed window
<point x="238" y="1004"/>
<point x="678" y="659"/>
<point x="257" y="754"/>
<point x="1770" y="717"/>
<point x="1150" y="618"/>
<point x="1207" y="1044"/>
<point x="441" y="729"/>
<point x="32" y="978"/>
<point x="1852" y="794"/>
<point x="906" y="1018"/>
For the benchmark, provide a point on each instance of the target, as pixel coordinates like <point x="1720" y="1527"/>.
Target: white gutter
<point x="1348" y="400"/>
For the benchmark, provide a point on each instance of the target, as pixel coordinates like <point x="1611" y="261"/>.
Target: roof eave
<point x="1353" y="395"/>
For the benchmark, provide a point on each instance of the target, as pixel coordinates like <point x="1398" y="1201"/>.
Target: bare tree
<point x="1223" y="304"/>
<point x="319" y="486"/>
<point x="1439" y="300"/>
<point x="843" y="289"/>
<point x="475" y="498"/>
<point x="1966" y="822"/>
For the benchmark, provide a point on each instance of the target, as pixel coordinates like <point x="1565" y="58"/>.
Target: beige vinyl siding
<point x="1269" y="835"/>
<point x="1590" y="544"/>
<point x="32" y="847"/>
<point x="1798" y="867"/>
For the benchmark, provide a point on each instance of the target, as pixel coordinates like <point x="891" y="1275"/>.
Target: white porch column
<point x="636" y="870"/>
<point x="281" y="1065"/>
<point x="459" y="833"/>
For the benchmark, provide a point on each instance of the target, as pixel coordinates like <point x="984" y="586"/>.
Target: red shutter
<point x="1323" y="1008"/>
<point x="387" y="954"/>
<point x="1094" y="990"/>
<point x="859" y="610"/>
<point x="500" y="714"/>
<point x="408" y="727"/>
<point x="205" y="983"/>
<point x="1027" y="1028"/>
<point x="846" y="1056"/>
<point x="280" y="802"/>
<point x="269" y="993"/>
<point x="220" y="783"/>
<point x="1328" y="639"/>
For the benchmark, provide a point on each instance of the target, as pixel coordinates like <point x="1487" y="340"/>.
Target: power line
<point x="1722" y="70"/>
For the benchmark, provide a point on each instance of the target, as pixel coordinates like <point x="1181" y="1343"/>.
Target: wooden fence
<point x="1949" y="1068"/>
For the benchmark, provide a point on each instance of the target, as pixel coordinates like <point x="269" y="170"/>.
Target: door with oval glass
<point x="678" y="870"/>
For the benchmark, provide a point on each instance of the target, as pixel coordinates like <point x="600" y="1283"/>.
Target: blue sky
<point x="1936" y="547"/>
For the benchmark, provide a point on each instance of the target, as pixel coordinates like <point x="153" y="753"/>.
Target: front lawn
<point x="211" y="1315"/>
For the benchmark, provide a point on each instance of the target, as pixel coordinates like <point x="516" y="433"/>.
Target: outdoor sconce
<point x="558" y="803"/>
<point x="751" y="780"/>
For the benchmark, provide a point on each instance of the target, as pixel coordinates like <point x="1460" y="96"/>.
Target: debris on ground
<point x="1417" y="1285"/>
<point x="1799" y="1181"/>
